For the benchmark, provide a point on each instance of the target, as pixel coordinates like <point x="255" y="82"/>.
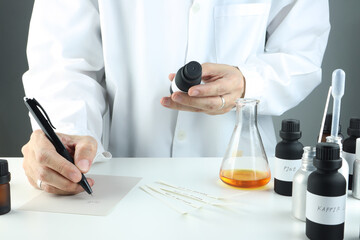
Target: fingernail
<point x="84" y="165"/>
<point x="194" y="93"/>
<point x="166" y="102"/>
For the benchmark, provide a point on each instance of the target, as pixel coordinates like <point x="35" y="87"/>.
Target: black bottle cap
<point x="354" y="128"/>
<point x="188" y="76"/>
<point x="290" y="129"/>
<point x="327" y="156"/>
<point x="192" y="71"/>
<point x="327" y="124"/>
<point x="4" y="172"/>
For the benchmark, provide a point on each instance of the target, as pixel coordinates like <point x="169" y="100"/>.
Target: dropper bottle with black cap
<point x="288" y="154"/>
<point x="349" y="147"/>
<point x="326" y="195"/>
<point x="5" y="204"/>
<point x="327" y="128"/>
<point x="186" y="77"/>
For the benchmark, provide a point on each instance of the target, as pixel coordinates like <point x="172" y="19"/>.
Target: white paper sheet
<point x="107" y="192"/>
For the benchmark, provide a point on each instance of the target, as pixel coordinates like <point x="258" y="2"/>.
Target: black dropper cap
<point x="192" y="71"/>
<point x="354" y="127"/>
<point x="327" y="156"/>
<point x="290" y="129"/>
<point x="327" y="124"/>
<point x="4" y="172"/>
<point x="188" y="76"/>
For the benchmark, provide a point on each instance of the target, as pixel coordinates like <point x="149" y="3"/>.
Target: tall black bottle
<point x="326" y="195"/>
<point x="349" y="146"/>
<point x="288" y="153"/>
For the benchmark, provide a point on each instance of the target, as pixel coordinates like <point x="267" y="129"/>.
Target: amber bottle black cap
<point x="327" y="156"/>
<point x="290" y="129"/>
<point x="4" y="172"/>
<point x="354" y="127"/>
<point x="327" y="124"/>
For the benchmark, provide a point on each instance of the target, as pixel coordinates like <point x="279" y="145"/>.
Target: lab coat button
<point x="195" y="8"/>
<point x="181" y="135"/>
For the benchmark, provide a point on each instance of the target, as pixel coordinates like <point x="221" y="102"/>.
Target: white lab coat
<point x="100" y="67"/>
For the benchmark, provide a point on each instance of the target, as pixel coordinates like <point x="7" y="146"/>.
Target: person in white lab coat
<point x="100" y="69"/>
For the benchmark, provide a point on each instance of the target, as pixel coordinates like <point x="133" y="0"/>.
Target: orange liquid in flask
<point x="245" y="178"/>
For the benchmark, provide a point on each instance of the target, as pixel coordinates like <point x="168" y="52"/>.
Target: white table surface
<point x="263" y="214"/>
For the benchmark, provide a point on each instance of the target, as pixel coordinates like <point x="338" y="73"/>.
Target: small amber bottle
<point x="5" y="205"/>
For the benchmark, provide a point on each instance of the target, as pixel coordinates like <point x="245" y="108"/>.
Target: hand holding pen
<point x="49" y="170"/>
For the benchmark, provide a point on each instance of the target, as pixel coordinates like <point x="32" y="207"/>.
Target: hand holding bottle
<point x="223" y="84"/>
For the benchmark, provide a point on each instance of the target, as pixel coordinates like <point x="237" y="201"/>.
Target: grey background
<point x="342" y="52"/>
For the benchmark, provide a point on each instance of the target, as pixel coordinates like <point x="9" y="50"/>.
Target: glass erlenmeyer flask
<point x="245" y="163"/>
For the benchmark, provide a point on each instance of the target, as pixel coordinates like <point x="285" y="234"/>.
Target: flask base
<point x="245" y="178"/>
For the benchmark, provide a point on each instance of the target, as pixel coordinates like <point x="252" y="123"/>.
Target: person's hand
<point x="42" y="164"/>
<point x="223" y="85"/>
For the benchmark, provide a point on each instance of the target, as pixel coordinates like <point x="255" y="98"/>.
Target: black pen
<point x="47" y="127"/>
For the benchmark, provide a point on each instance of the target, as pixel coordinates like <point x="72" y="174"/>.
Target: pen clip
<point x="44" y="112"/>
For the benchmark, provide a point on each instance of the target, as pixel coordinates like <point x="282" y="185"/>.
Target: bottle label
<point x="325" y="210"/>
<point x="286" y="169"/>
<point x="350" y="158"/>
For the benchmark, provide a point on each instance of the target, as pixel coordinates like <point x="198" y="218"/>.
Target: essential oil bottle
<point x="327" y="128"/>
<point x="326" y="195"/>
<point x="300" y="183"/>
<point x="5" y="205"/>
<point x="349" y="146"/>
<point x="288" y="154"/>
<point x="356" y="175"/>
<point x="344" y="170"/>
<point x="186" y="77"/>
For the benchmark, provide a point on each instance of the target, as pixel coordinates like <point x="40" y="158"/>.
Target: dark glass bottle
<point x="5" y="205"/>
<point x="349" y="146"/>
<point x="327" y="128"/>
<point x="326" y="195"/>
<point x="288" y="153"/>
<point x="186" y="77"/>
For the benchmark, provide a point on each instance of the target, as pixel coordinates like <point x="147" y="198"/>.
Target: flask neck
<point x="246" y="112"/>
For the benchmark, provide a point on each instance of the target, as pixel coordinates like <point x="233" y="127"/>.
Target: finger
<point x="36" y="172"/>
<point x="211" y="71"/>
<point x="28" y="164"/>
<point x="84" y="147"/>
<point x="206" y="104"/>
<point x="169" y="103"/>
<point x="171" y="76"/>
<point x="52" y="178"/>
<point x="216" y="88"/>
<point x="52" y="160"/>
<point x="220" y="79"/>
<point x="46" y="155"/>
<point x="52" y="189"/>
